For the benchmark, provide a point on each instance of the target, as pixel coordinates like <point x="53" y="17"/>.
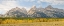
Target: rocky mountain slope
<point x="48" y="11"/>
<point x="17" y="12"/>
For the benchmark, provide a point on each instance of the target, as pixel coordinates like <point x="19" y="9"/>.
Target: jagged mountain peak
<point x="16" y="8"/>
<point x="49" y="7"/>
<point x="16" y="12"/>
<point x="23" y="8"/>
<point x="33" y="6"/>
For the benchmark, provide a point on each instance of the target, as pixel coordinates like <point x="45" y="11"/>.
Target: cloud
<point x="7" y="5"/>
<point x="52" y="2"/>
<point x="27" y="0"/>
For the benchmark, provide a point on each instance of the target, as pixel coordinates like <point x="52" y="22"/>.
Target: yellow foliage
<point x="9" y="21"/>
<point x="17" y="21"/>
<point x="30" y="21"/>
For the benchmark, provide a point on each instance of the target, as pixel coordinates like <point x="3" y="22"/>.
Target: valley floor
<point x="37" y="24"/>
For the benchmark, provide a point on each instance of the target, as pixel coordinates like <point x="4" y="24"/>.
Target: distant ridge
<point x="49" y="11"/>
<point x="16" y="12"/>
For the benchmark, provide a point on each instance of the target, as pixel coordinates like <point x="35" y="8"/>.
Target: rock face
<point x="36" y="12"/>
<point x="32" y="10"/>
<point x="17" y="12"/>
<point x="53" y="12"/>
<point x="49" y="11"/>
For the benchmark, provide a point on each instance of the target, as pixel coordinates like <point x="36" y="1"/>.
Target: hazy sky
<point x="6" y="5"/>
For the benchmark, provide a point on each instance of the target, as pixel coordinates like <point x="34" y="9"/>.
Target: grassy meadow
<point x="24" y="21"/>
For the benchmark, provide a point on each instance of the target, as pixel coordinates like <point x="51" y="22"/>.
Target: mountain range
<point x="48" y="11"/>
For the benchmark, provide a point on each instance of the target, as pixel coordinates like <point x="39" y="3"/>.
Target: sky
<point x="6" y="5"/>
